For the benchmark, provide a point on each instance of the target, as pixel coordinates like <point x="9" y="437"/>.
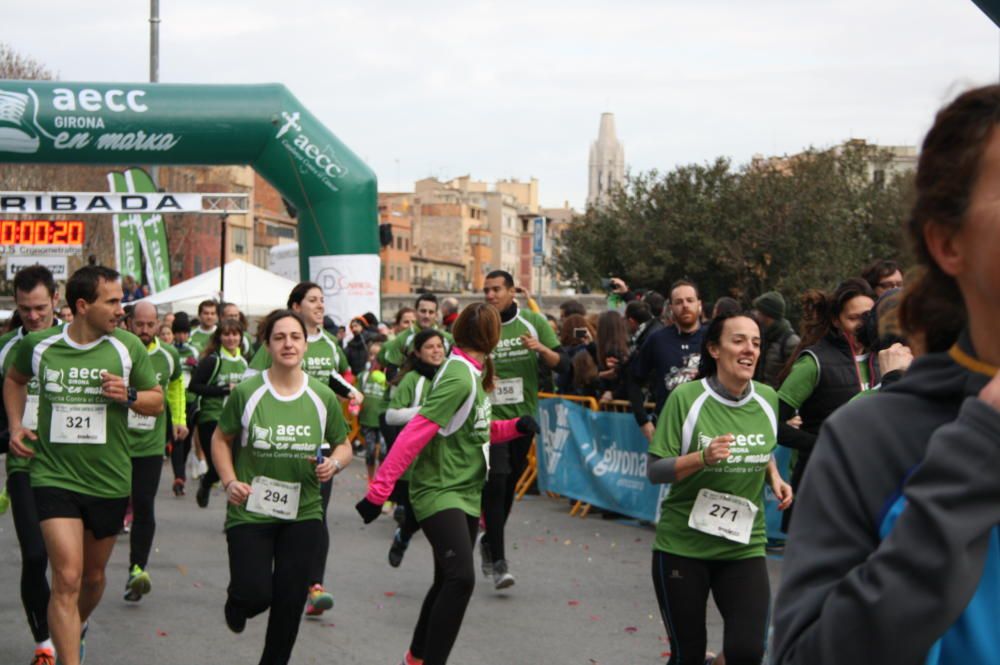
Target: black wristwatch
<point x="132" y="396"/>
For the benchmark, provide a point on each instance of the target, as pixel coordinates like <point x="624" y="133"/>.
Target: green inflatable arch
<point x="264" y="126"/>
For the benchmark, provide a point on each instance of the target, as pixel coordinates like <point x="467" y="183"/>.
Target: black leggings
<point x="179" y="454"/>
<point x="268" y="569"/>
<point x="205" y="432"/>
<point x="145" y="482"/>
<point x="741" y="593"/>
<point x="451" y="534"/>
<point x="498" y="496"/>
<point x="317" y="569"/>
<point x="34" y="561"/>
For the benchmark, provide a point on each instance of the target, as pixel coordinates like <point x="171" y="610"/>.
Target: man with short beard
<point x="670" y="356"/>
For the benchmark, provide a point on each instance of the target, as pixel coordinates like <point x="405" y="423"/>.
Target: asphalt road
<point x="583" y="594"/>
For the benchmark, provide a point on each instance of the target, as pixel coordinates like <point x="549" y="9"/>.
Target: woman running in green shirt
<point x="409" y="391"/>
<point x="282" y="417"/>
<point x="221" y="367"/>
<point x="713" y="444"/>
<point x="451" y="434"/>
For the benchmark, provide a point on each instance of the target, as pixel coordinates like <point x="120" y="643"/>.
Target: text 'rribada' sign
<point x="53" y="203"/>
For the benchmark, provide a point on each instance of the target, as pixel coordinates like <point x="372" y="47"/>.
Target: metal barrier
<point x="579" y="508"/>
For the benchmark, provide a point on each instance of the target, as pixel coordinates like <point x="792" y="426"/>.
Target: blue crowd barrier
<point x="600" y="458"/>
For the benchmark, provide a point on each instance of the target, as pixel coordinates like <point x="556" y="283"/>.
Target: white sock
<point x="47" y="644"/>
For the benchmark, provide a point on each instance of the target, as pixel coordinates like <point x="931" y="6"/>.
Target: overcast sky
<point x="516" y="89"/>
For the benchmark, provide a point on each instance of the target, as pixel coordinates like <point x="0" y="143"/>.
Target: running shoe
<point x="138" y="584"/>
<point x="83" y="642"/>
<point x="410" y="659"/>
<point x="398" y="548"/>
<point x="202" y="496"/>
<point x="487" y="557"/>
<point x="318" y="602"/>
<point x="501" y="578"/>
<point x="44" y="657"/>
<point x="235" y="619"/>
<point x="178" y="487"/>
<point x="4" y="500"/>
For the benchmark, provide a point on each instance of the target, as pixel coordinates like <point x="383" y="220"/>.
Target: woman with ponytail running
<point x="448" y="444"/>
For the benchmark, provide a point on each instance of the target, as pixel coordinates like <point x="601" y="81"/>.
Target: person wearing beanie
<point x="779" y="340"/>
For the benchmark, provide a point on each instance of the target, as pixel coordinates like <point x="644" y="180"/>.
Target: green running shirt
<point x="199" y="338"/>
<point x="228" y="369"/>
<point x="375" y="402"/>
<point x="83" y="439"/>
<point x="279" y="437"/>
<point x="516" y="391"/>
<point x="30" y="417"/>
<point x="149" y="433"/>
<point x="394" y="351"/>
<point x="694" y="415"/>
<point x="323" y="356"/>
<point x="450" y="471"/>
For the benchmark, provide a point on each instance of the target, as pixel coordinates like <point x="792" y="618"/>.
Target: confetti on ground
<point x="631" y="629"/>
<point x="161" y="633"/>
<point x="390" y="594"/>
<point x="594" y="617"/>
<point x="329" y="625"/>
<point x="573" y="603"/>
<point x="182" y="569"/>
<point x="567" y="542"/>
<point x="197" y="585"/>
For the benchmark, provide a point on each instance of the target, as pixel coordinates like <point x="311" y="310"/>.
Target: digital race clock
<point x="41" y="232"/>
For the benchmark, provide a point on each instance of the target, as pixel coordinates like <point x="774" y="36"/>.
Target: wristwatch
<point x="336" y="463"/>
<point x="132" y="396"/>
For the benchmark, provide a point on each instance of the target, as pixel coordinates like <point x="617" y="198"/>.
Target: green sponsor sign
<point x="152" y="234"/>
<point x="127" y="245"/>
<point x="260" y="125"/>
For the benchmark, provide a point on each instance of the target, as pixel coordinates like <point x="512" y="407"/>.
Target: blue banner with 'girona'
<point x="596" y="457"/>
<point x="600" y="458"/>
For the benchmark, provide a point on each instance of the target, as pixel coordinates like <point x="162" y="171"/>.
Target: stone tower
<point x="607" y="162"/>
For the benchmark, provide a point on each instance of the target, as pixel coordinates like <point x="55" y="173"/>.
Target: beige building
<point x="447" y="224"/>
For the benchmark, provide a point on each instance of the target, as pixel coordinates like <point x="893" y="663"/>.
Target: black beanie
<point x="771" y="304"/>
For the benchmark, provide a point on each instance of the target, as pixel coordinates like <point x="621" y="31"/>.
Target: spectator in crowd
<point x="829" y="367"/>
<point x="363" y="330"/>
<point x="569" y="307"/>
<point x="449" y="312"/>
<point x="668" y="357"/>
<point x="780" y="340"/>
<point x="726" y="305"/>
<point x="128" y="288"/>
<point x="656" y="303"/>
<point x="65" y="314"/>
<point x="893" y="556"/>
<point x="612" y="355"/>
<point x="883" y="275"/>
<point x="577" y="338"/>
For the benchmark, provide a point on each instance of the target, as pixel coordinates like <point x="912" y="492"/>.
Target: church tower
<point x="607" y="162"/>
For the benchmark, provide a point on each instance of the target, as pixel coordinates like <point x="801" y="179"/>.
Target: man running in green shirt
<point x="148" y="438"/>
<point x="91" y="375"/>
<point x="526" y="338"/>
<point x="35" y="299"/>
<point x="189" y="360"/>
<point x="208" y="317"/>
<point x="394" y="351"/>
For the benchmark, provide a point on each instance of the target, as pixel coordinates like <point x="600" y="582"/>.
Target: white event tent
<point x="254" y="290"/>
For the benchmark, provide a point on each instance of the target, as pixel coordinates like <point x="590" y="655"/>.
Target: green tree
<point x="789" y="224"/>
